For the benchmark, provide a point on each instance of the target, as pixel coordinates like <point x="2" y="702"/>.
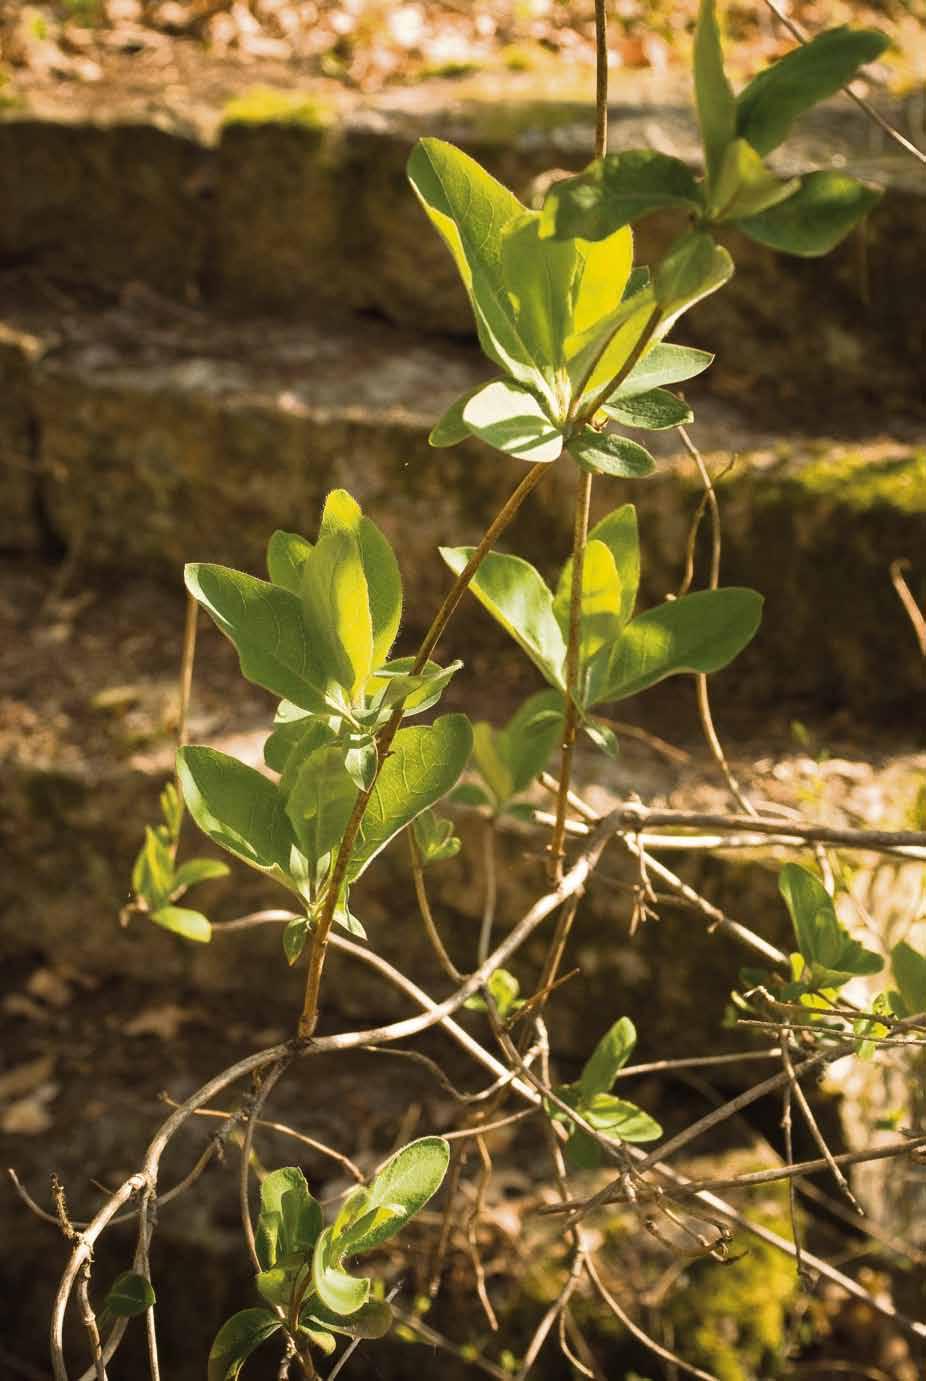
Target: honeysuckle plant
<point x="806" y="216"/>
<point x="318" y="634"/>
<point x="577" y="335"/>
<point x="307" y="1291"/>
<point x="619" y="655"/>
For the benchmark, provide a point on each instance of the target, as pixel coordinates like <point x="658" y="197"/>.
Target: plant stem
<point x="601" y="79"/>
<point x="309" y="1017"/>
<point x="579" y="542"/>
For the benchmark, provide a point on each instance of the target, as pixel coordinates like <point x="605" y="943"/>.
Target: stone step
<point x="145" y="436"/>
<point x="290" y="201"/>
<point x="87" y="721"/>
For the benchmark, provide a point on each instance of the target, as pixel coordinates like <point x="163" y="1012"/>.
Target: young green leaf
<point x="336" y="610"/>
<point x="530" y="736"/>
<point x="295" y="936"/>
<point x="539" y="276"/>
<point x="617" y="1117"/>
<point x="417" y="692"/>
<point x="338" y="1291"/>
<point x="697" y="633"/>
<point x="744" y="186"/>
<point x="435" y="838"/>
<point x="371" y="1320"/>
<point x="290" y="1218"/>
<point x="424" y="764"/>
<point x="582" y="1151"/>
<point x="604" y="454"/>
<point x="238" y="809"/>
<point x="504" y="990"/>
<point x="287" y="554"/>
<point x="130" y="1294"/>
<point x="608" y="1058"/>
<point x="598" y="356"/>
<point x="693" y="268"/>
<point x="662" y="364"/>
<point x="321" y="798"/>
<point x="517" y="597"/>
<point x="717" y="112"/>
<point x="616" y="191"/>
<point x="769" y="105"/>
<point x="830" y="954"/>
<point x="153" y="871"/>
<point x="816" y="218"/>
<point x="655" y="411"/>
<point x="490" y="760"/>
<point x="451" y="429"/>
<point x="404" y="1185"/>
<point x="509" y="418"/>
<point x="238" y="1337"/>
<point x="265" y="624"/>
<point x="470" y="210"/>
<point x="191" y="925"/>
<point x="618" y="531"/>
<point x="197" y="870"/>
<point x="910" y="973"/>
<point x="342" y="514"/>
<point x="600" y="605"/>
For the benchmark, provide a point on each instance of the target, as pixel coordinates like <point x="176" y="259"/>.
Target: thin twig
<point x="905" y="595"/>
<point x="633" y="1327"/>
<point x="259" y="1098"/>
<point x="89" y="1321"/>
<point x="427" y="916"/>
<point x="490" y="890"/>
<point x="815" y="1132"/>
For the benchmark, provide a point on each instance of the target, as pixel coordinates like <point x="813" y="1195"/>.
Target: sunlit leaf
<point x="338" y="1291"/>
<point x="654" y="411"/>
<point x="910" y="973"/>
<point x="600" y="600"/>
<point x="744" y="186"/>
<point x="717" y="112"/>
<point x="662" y="364"/>
<point x="191" y="925"/>
<point x="287" y="553"/>
<point x="238" y="809"/>
<point x="511" y="419"/>
<point x="816" y="218"/>
<point x="405" y="1184"/>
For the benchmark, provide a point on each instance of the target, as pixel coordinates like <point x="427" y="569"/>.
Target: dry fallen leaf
<point x="25" y="1078"/>
<point x="164" y="1022"/>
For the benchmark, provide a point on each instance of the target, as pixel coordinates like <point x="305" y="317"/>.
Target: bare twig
<point x="815" y="1132"/>
<point x="490" y="890"/>
<point x="427" y="916"/>
<point x="633" y="1327"/>
<point x="905" y="595"/>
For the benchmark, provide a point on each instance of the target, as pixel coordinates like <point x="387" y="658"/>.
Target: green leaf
<point x="717" y="110"/>
<point x="130" y="1294"/>
<point x="744" y="185"/>
<point x="320" y="801"/>
<point x="237" y="1339"/>
<point x="417" y="692"/>
<point x="604" y="454"/>
<point x="509" y="417"/>
<point x="662" y="364"/>
<point x="516" y="596"/>
<point x="539" y="276"/>
<point x="265" y="624"/>
<point x="491" y="763"/>
<point x="405" y="1184"/>
<point x="290" y="1218"/>
<point x="816" y="218"/>
<point x="468" y="794"/>
<point x="295" y="935"/>
<point x="287" y="554"/>
<point x="600" y="621"/>
<point x="238" y="809"/>
<point x="910" y="973"/>
<point x="361" y="761"/>
<point x="320" y="1338"/>
<point x="276" y="1285"/>
<point x="582" y="1151"/>
<point x="342" y="513"/>
<point x="831" y="955"/>
<point x="530" y="736"/>
<point x="655" y="411"/>
<point x="197" y="870"/>
<point x="608" y="1058"/>
<point x="504" y="990"/>
<point x="768" y="106"/>
<point x="602" y="735"/>
<point x="470" y="210"/>
<point x="598" y="355"/>
<point x="336" y="610"/>
<point x="451" y="429"/>
<point x="697" y="633"/>
<point x="693" y="268"/>
<point x="615" y="191"/>
<point x="171" y="809"/>
<point x="338" y="1291"/>
<point x="618" y="531"/>
<point x="153" y="870"/>
<point x="192" y="925"/>
<point x="371" y="1320"/>
<point x="435" y="838"/>
<point x="617" y="1117"/>
<point x="423" y="765"/>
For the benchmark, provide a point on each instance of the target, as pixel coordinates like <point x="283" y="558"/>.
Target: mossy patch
<point x="860" y="483"/>
<point x="267" y="105"/>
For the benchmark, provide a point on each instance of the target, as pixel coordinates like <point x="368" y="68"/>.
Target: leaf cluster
<point x="592" y="1099"/>
<point x="303" y="1277"/>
